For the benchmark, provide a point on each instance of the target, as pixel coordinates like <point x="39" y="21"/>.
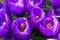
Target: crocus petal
<point x="36" y="11"/>
<point x="4" y="20"/>
<point x="9" y="36"/>
<point x="54" y="29"/>
<point x="57" y="11"/>
<point x="16" y="31"/>
<point x="3" y="9"/>
<point x="16" y="6"/>
<point x="55" y="2"/>
<point x="31" y="3"/>
<point x="4" y="25"/>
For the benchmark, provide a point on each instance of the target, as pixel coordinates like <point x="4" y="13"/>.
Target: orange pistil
<point x="22" y="27"/>
<point x="37" y="17"/>
<point x="49" y="25"/>
<point x="31" y="2"/>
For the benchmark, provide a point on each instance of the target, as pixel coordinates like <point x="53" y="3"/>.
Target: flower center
<point x="22" y="25"/>
<point x="31" y="2"/>
<point x="37" y="17"/>
<point x="49" y="25"/>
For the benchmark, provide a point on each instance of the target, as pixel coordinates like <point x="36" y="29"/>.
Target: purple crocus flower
<point x="31" y="3"/>
<point x="4" y="24"/>
<point x="21" y="28"/>
<point x="15" y="6"/>
<point x="50" y="25"/>
<point x="55" y="2"/>
<point x="9" y="36"/>
<point x="4" y="20"/>
<point x="36" y="16"/>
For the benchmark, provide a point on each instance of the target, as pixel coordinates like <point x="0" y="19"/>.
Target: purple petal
<point x="15" y="6"/>
<point x="17" y="32"/>
<point x="36" y="11"/>
<point x="55" y="2"/>
<point x="31" y="3"/>
<point x="54" y="28"/>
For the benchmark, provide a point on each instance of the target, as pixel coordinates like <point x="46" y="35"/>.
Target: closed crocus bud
<point x="31" y="3"/>
<point x="15" y="6"/>
<point x="50" y="25"/>
<point x="55" y="2"/>
<point x="21" y="28"/>
<point x="36" y="16"/>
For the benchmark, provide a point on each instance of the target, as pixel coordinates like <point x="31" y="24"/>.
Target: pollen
<point x="49" y="25"/>
<point x="37" y="17"/>
<point x="31" y="2"/>
<point x="22" y="27"/>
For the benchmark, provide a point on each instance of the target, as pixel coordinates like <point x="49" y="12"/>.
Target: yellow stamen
<point x="22" y="27"/>
<point x="31" y="2"/>
<point x="37" y="17"/>
<point x="49" y="25"/>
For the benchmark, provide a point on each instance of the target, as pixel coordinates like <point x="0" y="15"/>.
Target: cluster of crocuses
<point x="21" y="27"/>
